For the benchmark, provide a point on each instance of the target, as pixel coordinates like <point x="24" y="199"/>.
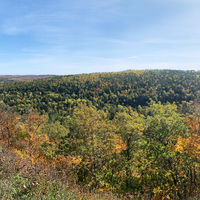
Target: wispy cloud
<point x="133" y="57"/>
<point x="86" y="36"/>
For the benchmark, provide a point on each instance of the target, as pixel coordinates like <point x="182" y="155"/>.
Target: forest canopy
<point x="58" y="95"/>
<point x="134" y="134"/>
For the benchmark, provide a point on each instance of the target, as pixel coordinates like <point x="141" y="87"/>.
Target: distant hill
<point x="10" y="78"/>
<point x="57" y="95"/>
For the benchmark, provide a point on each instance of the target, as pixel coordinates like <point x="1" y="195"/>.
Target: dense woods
<point x="126" y="135"/>
<point x="58" y="95"/>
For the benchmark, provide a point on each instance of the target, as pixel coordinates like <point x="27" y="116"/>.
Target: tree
<point x="165" y="171"/>
<point x="94" y="139"/>
<point x="130" y="126"/>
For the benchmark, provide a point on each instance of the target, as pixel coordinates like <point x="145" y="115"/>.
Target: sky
<point x="84" y="36"/>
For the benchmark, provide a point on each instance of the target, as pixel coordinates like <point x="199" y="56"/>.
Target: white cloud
<point x="133" y="57"/>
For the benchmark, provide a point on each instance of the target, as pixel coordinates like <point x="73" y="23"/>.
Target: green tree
<point x="130" y="126"/>
<point x="164" y="171"/>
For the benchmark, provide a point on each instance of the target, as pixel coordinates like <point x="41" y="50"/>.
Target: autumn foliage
<point x="150" y="153"/>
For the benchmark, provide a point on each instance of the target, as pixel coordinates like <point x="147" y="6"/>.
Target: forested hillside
<point x="57" y="96"/>
<point x="126" y="135"/>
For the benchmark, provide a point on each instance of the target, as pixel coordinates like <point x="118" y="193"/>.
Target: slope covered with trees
<point x="154" y="155"/>
<point x="57" y="96"/>
<point x="122" y="135"/>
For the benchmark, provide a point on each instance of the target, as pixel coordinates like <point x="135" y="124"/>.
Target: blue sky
<point x="84" y="36"/>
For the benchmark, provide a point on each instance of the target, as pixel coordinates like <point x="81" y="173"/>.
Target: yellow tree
<point x="94" y="139"/>
<point x="165" y="162"/>
<point x="130" y="125"/>
<point x="33" y="138"/>
<point x="190" y="145"/>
